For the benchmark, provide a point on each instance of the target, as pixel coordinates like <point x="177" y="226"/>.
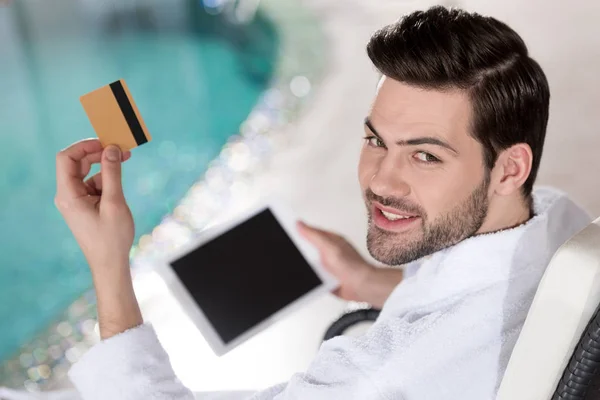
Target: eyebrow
<point x="416" y="141"/>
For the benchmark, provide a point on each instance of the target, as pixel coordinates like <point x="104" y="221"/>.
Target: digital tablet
<point x="238" y="278"/>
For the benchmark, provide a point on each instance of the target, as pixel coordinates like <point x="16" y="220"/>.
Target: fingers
<point x="94" y="158"/>
<point x="75" y="162"/>
<point x="95" y="184"/>
<point x="334" y="249"/>
<point x="317" y="237"/>
<point x="87" y="162"/>
<point x="112" y="188"/>
<point x="69" y="182"/>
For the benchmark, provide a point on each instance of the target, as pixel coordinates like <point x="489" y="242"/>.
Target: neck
<point x="507" y="212"/>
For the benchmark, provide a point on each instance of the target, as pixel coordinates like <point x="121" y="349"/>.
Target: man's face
<point x="422" y="174"/>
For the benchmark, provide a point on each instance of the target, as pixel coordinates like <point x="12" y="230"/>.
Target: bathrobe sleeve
<point x="134" y="366"/>
<point x="129" y="366"/>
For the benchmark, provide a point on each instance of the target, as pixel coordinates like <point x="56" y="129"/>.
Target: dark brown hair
<point x="450" y="48"/>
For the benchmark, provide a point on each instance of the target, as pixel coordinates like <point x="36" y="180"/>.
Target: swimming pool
<point x="194" y="76"/>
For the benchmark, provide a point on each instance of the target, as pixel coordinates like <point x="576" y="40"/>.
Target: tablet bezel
<point x="284" y="217"/>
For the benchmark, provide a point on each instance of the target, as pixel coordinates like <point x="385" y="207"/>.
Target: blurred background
<point x="244" y="100"/>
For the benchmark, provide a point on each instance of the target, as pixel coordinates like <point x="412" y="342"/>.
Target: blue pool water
<point x="194" y="76"/>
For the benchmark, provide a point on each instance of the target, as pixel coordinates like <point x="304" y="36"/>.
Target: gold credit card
<point x="115" y="117"/>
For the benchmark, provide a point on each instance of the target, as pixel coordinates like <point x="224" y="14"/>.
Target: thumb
<point x="112" y="188"/>
<point x="316" y="237"/>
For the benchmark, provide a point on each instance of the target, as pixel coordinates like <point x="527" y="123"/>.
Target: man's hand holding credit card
<point x="95" y="208"/>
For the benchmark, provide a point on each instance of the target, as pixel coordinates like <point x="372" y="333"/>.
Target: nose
<point x="388" y="180"/>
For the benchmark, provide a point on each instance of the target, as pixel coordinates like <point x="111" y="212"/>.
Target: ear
<point x="513" y="168"/>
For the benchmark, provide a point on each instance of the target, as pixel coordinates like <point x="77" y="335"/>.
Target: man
<point x="453" y="144"/>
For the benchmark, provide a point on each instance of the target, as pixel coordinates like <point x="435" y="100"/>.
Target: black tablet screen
<point x="245" y="275"/>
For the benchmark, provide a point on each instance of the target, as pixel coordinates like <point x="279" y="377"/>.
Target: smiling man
<point x="424" y="172"/>
<point x="453" y="144"/>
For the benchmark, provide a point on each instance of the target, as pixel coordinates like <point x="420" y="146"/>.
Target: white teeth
<point x="393" y="217"/>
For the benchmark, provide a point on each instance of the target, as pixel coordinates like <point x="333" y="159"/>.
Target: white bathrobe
<point x="446" y="332"/>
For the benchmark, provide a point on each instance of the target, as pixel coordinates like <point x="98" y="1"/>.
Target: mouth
<point x="393" y="220"/>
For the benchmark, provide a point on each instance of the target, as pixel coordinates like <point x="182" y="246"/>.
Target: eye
<point x="374" y="141"/>
<point x="427" y="158"/>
